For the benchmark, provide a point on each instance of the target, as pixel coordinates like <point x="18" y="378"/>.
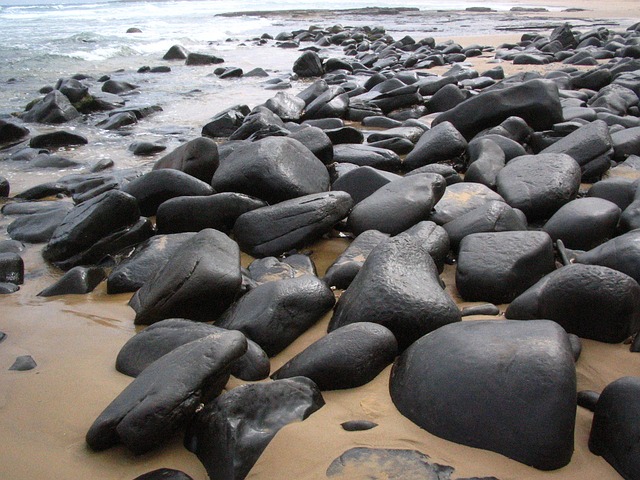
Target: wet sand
<point x="45" y="412"/>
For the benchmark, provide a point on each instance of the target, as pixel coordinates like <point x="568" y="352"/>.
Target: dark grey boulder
<point x="268" y="269"/>
<point x="442" y="142"/>
<point x="447" y="171"/>
<point x="626" y="143"/>
<point x="11" y="246"/>
<point x="275" y="313"/>
<point x="158" y="339"/>
<point x="486" y="159"/>
<point x="590" y="301"/>
<point x="398" y="205"/>
<point x="461" y="198"/>
<point x="539" y="184"/>
<point x="536" y="102"/>
<point x="198" y="158"/>
<point x="199" y="282"/>
<point x="117" y="87"/>
<point x="176" y="52"/>
<point x="510" y="147"/>
<point x="38" y="227"/>
<point x="358" y="425"/>
<point x="332" y="103"/>
<point x="432" y="238"/>
<point x="224" y="123"/>
<point x="584" y="223"/>
<point x="273" y="169"/>
<point x="487" y="384"/>
<point x="619" y="190"/>
<point x="89" y="222"/>
<point x="192" y="214"/>
<point x="398" y="145"/>
<point x="345" y="134"/>
<point x="386" y="463"/>
<point x="614" y="430"/>
<point x="23" y="363"/>
<point x="584" y="144"/>
<point x="496" y="267"/>
<point x="8" y="287"/>
<point x="317" y="141"/>
<point x="308" y="65"/>
<point x="348" y="357"/>
<point x="230" y="433"/>
<point x="153" y="188"/>
<point x="118" y="120"/>
<point x="146" y="148"/>
<point x="53" y="108"/>
<point x="621" y="253"/>
<point x="630" y="217"/>
<point x="410" y="132"/>
<point x="11" y="268"/>
<point x="164" y="473"/>
<point x="288" y="107"/>
<point x="278" y="228"/>
<point x="11" y="133"/>
<point x="44" y="160"/>
<point x="343" y="270"/>
<point x="397" y="287"/>
<point x="143" y="263"/>
<point x="485" y="309"/>
<point x="165" y="396"/>
<point x="493" y="216"/>
<point x="260" y="119"/>
<point x="367" y="156"/>
<point x="5" y="187"/>
<point x="615" y="98"/>
<point x="446" y="98"/>
<point x="78" y="280"/>
<point x="362" y="182"/>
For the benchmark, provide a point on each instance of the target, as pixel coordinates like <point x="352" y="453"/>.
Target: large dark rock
<point x="230" y="433"/>
<point x="348" y="357"/>
<point x="488" y="384"/>
<point x="486" y="159"/>
<point x="442" y="142"/>
<point x="198" y="158"/>
<point x="316" y="140"/>
<point x="590" y="301"/>
<point x="433" y="239"/>
<point x="584" y="144"/>
<point x="615" y="429"/>
<point x="192" y="214"/>
<point x="537" y="102"/>
<point x="367" y="156"/>
<point x="198" y="282"/>
<point x="11" y="268"/>
<point x="397" y="287"/>
<point x="496" y="267"/>
<point x="260" y="119"/>
<point x="288" y="107"/>
<point x="5" y="187"/>
<point x="619" y="190"/>
<point x="165" y="396"/>
<point x="53" y="108"/>
<point x="164" y="474"/>
<point x="117" y="87"/>
<point x="493" y="216"/>
<point x="625" y="143"/>
<point x="11" y="133"/>
<point x="278" y="228"/>
<point x="165" y="336"/>
<point x="461" y="198"/>
<point x="343" y="270"/>
<point x="176" y="52"/>
<point x="584" y="223"/>
<point x="89" y="222"/>
<point x="398" y="205"/>
<point x="144" y="262"/>
<point x="621" y="253"/>
<point x="308" y="65"/>
<point x="333" y="103"/>
<point x="157" y="186"/>
<point x="78" y="280"/>
<point x="224" y="123"/>
<point x="273" y="169"/>
<point x="269" y="269"/>
<point x="38" y="227"/>
<point x="362" y="182"/>
<point x="275" y="313"/>
<point x="539" y="184"/>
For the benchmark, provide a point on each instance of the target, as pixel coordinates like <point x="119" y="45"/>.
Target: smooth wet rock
<point x="278" y="228"/>
<point x="486" y="159"/>
<point x="273" y="169"/>
<point x="461" y="198"/>
<point x="275" y="313"/>
<point x="8" y="288"/>
<point x="146" y="148"/>
<point x="11" y="132"/>
<point x="198" y="158"/>
<point x="348" y="357"/>
<point x="288" y="107"/>
<point x="224" y="123"/>
<point x="11" y="246"/>
<point x="165" y="336"/>
<point x="584" y="223"/>
<point x="165" y="396"/>
<point x="358" y="425"/>
<point x="259" y="120"/>
<point x="153" y="188"/>
<point x="537" y="102"/>
<point x="38" y="227"/>
<point x="615" y="431"/>
<point x="117" y="87"/>
<point x="5" y="187"/>
<point x="198" y="282"/>
<point x="496" y="267"/>
<point x="164" y="474"/>
<point x="618" y="190"/>
<point x="493" y="216"/>
<point x="78" y="280"/>
<point x="397" y="287"/>
<point x="398" y="205"/>
<point x="588" y="399"/>
<point x="144" y="262"/>
<point x="90" y="222"/>
<point x="448" y="172"/>
<point x="317" y="141"/>
<point x="230" y="433"/>
<point x="343" y="270"/>
<point x="23" y="363"/>
<point x="626" y="143"/>
<point x="591" y="301"/>
<point x="308" y="65"/>
<point x="11" y="268"/>
<point x="367" y="156"/>
<point x="486" y="309"/>
<point x="539" y="185"/>
<point x="53" y="108"/>
<point x="487" y="384"/>
<point x="440" y="143"/>
<point x="176" y="52"/>
<point x="433" y="239"/>
<point x="621" y="253"/>
<point x="118" y="120"/>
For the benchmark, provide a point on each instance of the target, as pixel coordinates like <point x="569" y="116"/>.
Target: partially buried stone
<point x="60" y="138"/>
<point x="198" y="158"/>
<point x="38" y="227"/>
<point x="621" y="253"/>
<point x="164" y="474"/>
<point x="23" y="363"/>
<point x="269" y="269"/>
<point x="165" y="396"/>
<point x="358" y="425"/>
<point x="229" y="434"/>
<point x="7" y="288"/>
<point x="458" y="383"/>
<point x="78" y="280"/>
<point x="11" y="268"/>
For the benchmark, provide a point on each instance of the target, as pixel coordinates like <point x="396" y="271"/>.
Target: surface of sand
<point x="45" y="412"/>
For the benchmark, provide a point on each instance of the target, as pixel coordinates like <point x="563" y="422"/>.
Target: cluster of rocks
<point x="291" y="171"/>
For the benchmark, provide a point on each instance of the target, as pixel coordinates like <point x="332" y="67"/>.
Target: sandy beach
<point x="46" y="412"/>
